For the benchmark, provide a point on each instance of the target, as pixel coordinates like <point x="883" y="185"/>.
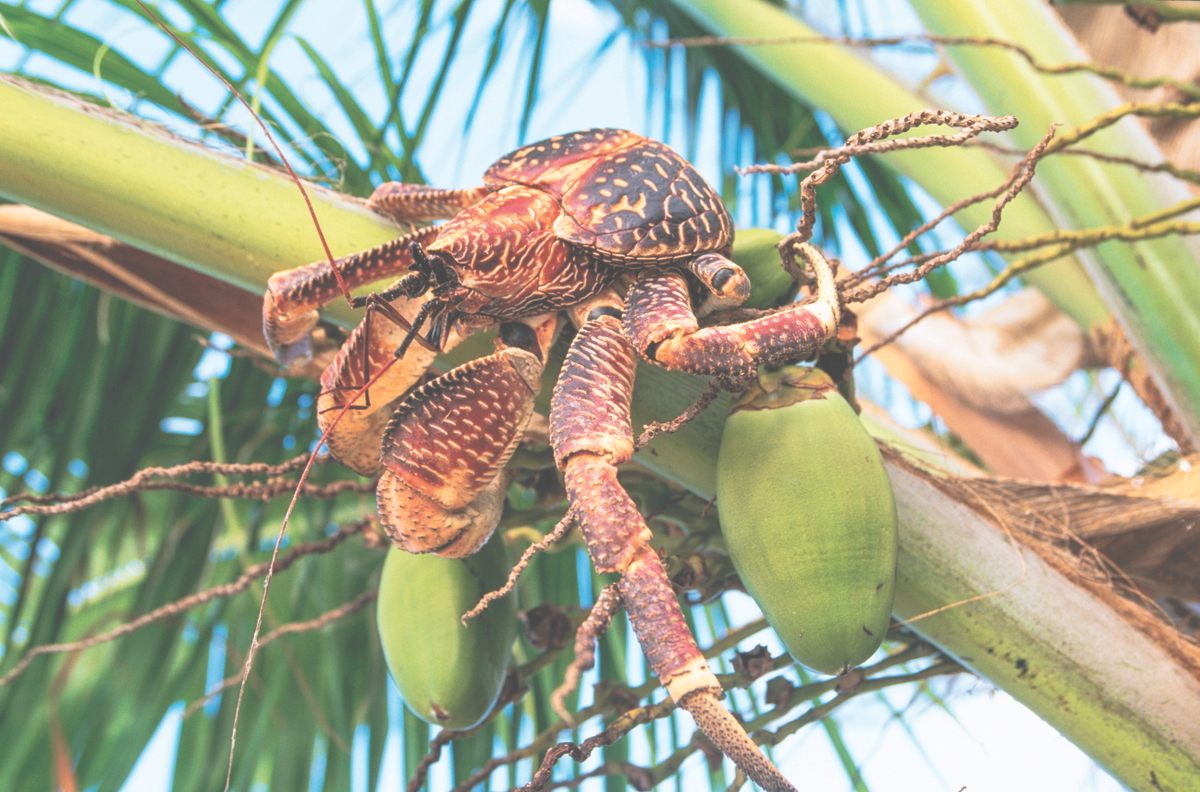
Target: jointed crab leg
<point x="447" y="443"/>
<point x="420" y="203"/>
<point x="591" y="434"/>
<point x="662" y="325"/>
<point x="289" y="307"/>
<point x="293" y="296"/>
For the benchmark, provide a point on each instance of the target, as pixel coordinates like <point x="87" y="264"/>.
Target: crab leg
<point x="662" y="325"/>
<point x="293" y="296"/>
<point x="591" y="434"/>
<point x="289" y="307"/>
<point x="420" y="203"/>
<point x="446" y="445"/>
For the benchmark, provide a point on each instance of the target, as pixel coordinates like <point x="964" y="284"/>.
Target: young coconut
<point x="449" y="675"/>
<point x="816" y="550"/>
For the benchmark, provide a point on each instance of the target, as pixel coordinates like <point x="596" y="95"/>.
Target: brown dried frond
<point x="1116" y="542"/>
<point x="597" y="621"/>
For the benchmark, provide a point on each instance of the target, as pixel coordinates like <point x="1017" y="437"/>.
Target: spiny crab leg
<point x="420" y="203"/>
<point x="446" y="445"/>
<point x="662" y="325"/>
<point x="293" y="296"/>
<point x="591" y="434"/>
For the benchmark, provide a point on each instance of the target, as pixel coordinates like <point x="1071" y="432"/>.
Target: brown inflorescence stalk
<point x="144" y="479"/>
<point x="597" y="621"/>
<point x="1166" y="166"/>
<point x="972" y="127"/>
<point x="610" y="705"/>
<point x="255" y="490"/>
<point x="655" y="428"/>
<point x="874" y="139"/>
<point x="556" y="535"/>
<point x="1020" y="176"/>
<point x="871" y="680"/>
<point x="1069" y="67"/>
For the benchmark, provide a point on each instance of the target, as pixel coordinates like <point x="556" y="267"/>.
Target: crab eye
<point x="721" y="278"/>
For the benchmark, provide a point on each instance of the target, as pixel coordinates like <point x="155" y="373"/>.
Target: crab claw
<point x="420" y="524"/>
<point x="444" y="452"/>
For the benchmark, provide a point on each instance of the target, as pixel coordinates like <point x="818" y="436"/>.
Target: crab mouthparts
<point x="441" y="315"/>
<point x="436" y="267"/>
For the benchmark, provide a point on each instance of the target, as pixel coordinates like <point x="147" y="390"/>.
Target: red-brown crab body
<point x="563" y="217"/>
<point x="619" y="232"/>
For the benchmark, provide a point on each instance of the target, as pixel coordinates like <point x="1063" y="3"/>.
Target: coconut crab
<point x="618" y="233"/>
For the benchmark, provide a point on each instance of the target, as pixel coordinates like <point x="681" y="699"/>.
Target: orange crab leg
<point x="663" y="327"/>
<point x="591" y="434"/>
<point x="446" y="445"/>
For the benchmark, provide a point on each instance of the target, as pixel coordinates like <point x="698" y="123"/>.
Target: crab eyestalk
<point x="591" y="433"/>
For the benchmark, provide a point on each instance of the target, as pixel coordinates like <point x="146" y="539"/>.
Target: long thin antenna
<point x="266" y="131"/>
